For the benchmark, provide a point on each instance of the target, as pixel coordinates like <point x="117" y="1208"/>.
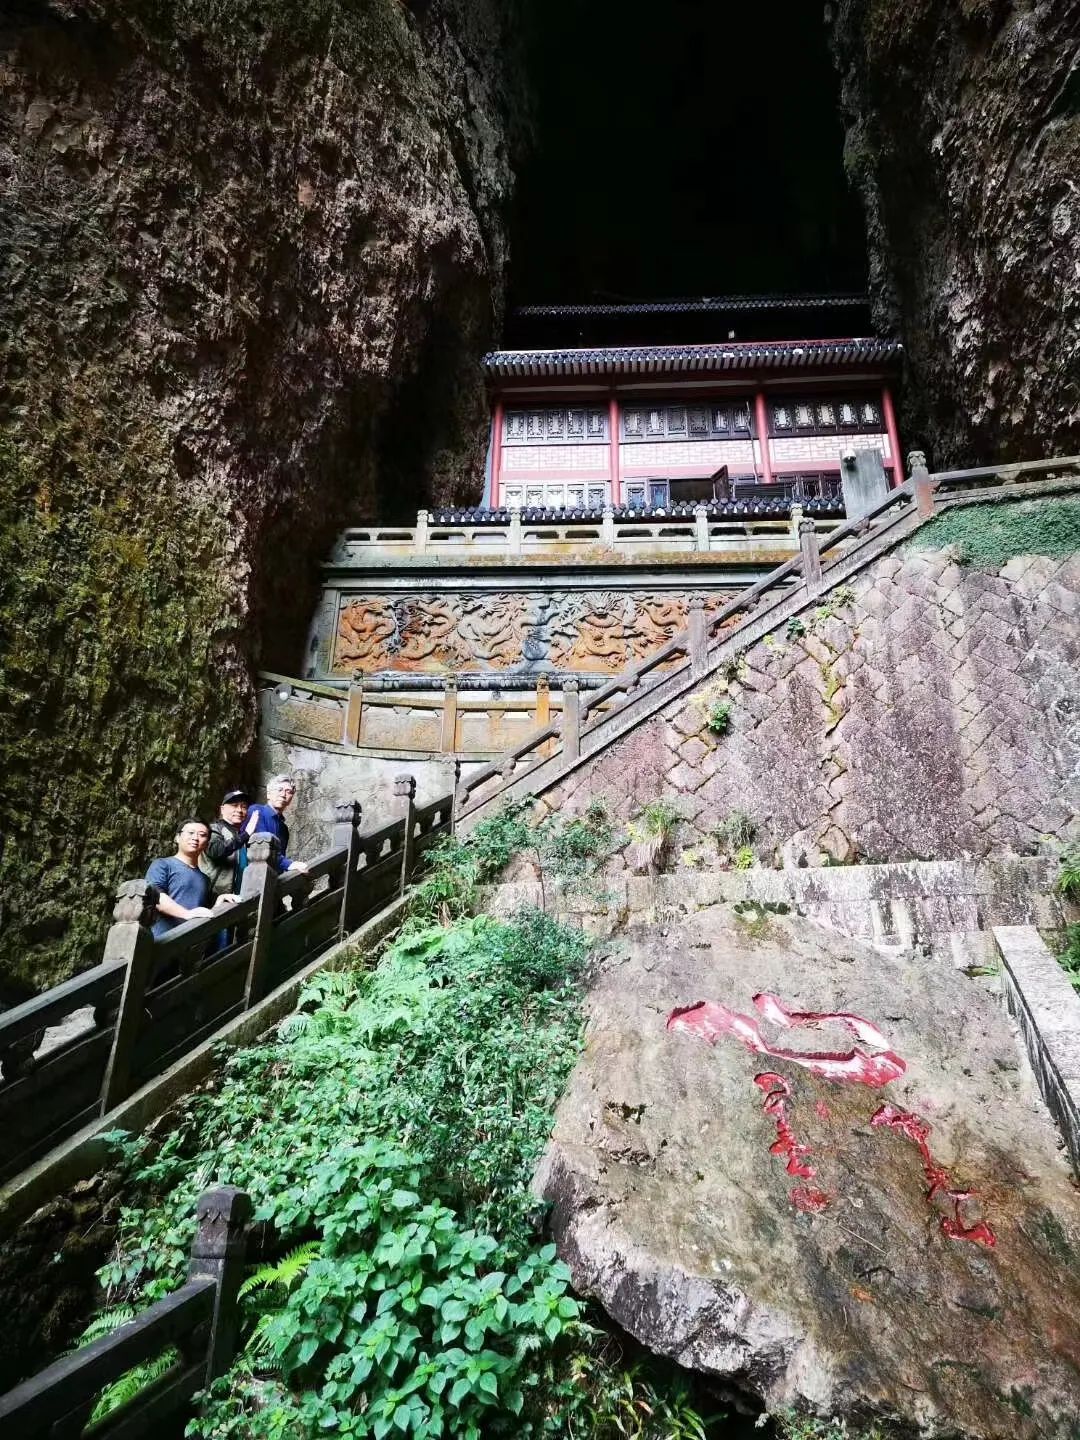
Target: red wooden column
<point x="496" y="454"/>
<point x="613" y="459"/>
<point x="762" y="424"/>
<point x="894" y="437"/>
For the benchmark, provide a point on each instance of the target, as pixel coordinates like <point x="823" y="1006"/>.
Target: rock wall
<point x="964" y="139"/>
<point x="248" y="254"/>
<point x="927" y="711"/>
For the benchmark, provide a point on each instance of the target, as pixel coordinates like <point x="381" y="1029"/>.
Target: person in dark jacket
<point x="222" y="862"/>
<point x="269" y="819"/>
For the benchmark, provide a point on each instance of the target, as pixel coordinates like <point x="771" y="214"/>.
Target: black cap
<point x="234" y="795"/>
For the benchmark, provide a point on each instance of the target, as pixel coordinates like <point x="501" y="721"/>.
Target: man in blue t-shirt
<point x="183" y="889"/>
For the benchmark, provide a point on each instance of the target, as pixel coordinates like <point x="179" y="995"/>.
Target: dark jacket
<point x="270" y="822"/>
<point x="222" y="860"/>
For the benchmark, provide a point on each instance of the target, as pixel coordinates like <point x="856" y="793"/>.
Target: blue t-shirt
<point x="186" y="885"/>
<point x="269" y="821"/>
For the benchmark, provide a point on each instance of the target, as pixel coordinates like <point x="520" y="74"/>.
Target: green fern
<point x="132" y="1384"/>
<point x="285" y="1273"/>
<point x="1068" y="879"/>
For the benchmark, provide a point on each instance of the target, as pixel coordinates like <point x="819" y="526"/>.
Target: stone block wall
<point x="930" y="709"/>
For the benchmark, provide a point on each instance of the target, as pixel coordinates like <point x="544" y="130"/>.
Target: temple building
<point x="626" y="483"/>
<point x="648" y="426"/>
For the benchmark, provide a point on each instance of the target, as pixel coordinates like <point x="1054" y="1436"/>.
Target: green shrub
<point x="1069" y="957"/>
<point x="796" y="628"/>
<point x="718" y="719"/>
<point x="651" y="833"/>
<point x="734" y="831"/>
<point x="1068" y="878"/>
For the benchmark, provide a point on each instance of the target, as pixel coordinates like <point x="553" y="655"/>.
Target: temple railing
<point x="693" y="649"/>
<point x="76" y="1051"/>
<point x="397" y="724"/>
<point x="200" y="1321"/>
<point x="625" y="537"/>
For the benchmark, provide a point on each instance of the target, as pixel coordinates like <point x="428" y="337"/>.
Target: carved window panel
<point x="633" y="424"/>
<point x="597" y="497"/>
<point x="686" y="422"/>
<point x="575" y="496"/>
<point x="654" y="423"/>
<point x="698" y="421"/>
<point x="635" y="495"/>
<point x="534" y="495"/>
<point x="511" y="497"/>
<point x="555" y="425"/>
<point x="814" y="416"/>
<point x="676" y="421"/>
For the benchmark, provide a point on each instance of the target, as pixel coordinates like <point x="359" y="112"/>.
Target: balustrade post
<point x="811" y="554"/>
<point x="698" y="636"/>
<point x="543" y="702"/>
<point x="354" y="710"/>
<point x="129" y="940"/>
<point x="218" y="1253"/>
<point x="515" y="531"/>
<point x="571" y="718"/>
<point x="795" y="521"/>
<point x="701" y="526"/>
<point x="346" y="836"/>
<point x="448" y="733"/>
<point x="921" y="483"/>
<point x="405" y="794"/>
<point x="607" y="527"/>
<point x="261" y="879"/>
<point x="423" y="522"/>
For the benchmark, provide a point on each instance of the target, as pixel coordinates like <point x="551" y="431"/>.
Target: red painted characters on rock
<point x="872" y="1063"/>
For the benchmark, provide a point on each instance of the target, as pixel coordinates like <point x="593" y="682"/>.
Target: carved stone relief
<point x="601" y="631"/>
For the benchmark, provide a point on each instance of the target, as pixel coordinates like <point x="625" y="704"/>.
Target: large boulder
<point x="888" y="1231"/>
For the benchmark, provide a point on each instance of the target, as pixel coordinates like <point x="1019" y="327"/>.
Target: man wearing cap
<point x="223" y="860"/>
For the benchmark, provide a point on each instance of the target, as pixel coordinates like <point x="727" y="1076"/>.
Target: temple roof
<point x="681" y="359"/>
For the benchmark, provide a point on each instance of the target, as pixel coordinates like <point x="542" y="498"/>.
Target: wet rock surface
<point x="844" y="1287"/>
<point x="963" y="137"/>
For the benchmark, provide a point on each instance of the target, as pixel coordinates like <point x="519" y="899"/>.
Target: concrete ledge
<point x="83" y="1153"/>
<point x="1047" y="1008"/>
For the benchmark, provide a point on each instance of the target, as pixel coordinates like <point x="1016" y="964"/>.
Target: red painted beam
<point x="496" y="454"/>
<point x="894" y="437"/>
<point x="762" y="416"/>
<point x="613" y="428"/>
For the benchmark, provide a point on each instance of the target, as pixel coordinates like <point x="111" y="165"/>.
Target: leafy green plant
<point x="651" y="833"/>
<point x="743" y="858"/>
<point x="796" y="628"/>
<point x="1068" y="876"/>
<point x="124" y="1389"/>
<point x="718" y="719"/>
<point x="734" y="831"/>
<point x="1069" y="957"/>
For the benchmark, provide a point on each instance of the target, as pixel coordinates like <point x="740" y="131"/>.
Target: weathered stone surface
<point x="248" y="259"/>
<point x="930" y="716"/>
<point x="670" y="1208"/>
<point x="964" y="139"/>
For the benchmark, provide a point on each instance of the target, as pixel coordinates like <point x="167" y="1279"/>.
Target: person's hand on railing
<point x="222" y="903"/>
<point x="297" y="867"/>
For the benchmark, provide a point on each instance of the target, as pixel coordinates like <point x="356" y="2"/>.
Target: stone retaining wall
<point x="928" y="710"/>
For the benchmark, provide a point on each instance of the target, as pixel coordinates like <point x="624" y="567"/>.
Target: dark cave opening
<point x="692" y="149"/>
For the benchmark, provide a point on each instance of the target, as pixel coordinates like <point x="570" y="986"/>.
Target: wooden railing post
<point x="130" y="940"/>
<point x="354" y="710"/>
<point x="448" y="732"/>
<point x="423" y="521"/>
<point x="811" y="554"/>
<point x="698" y="636"/>
<point x="261" y="879"/>
<point x="571" y="718"/>
<point x="405" y="794"/>
<point x="921" y="484"/>
<point x="515" y="532"/>
<point x="701" y="526"/>
<point x="346" y="836"/>
<point x="607" y="527"/>
<point x="217" y="1253"/>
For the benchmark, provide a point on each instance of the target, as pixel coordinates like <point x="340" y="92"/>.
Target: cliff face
<point x="964" y="139"/>
<point x="248" y="254"/>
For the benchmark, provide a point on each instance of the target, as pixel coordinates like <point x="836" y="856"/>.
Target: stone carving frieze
<point x="601" y="631"/>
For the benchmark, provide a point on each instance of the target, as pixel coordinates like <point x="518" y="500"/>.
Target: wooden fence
<point x="73" y="1053"/>
<point x="198" y="1321"/>
<point x="693" y="648"/>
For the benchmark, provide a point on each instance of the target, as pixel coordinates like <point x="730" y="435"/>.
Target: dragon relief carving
<point x="599" y="631"/>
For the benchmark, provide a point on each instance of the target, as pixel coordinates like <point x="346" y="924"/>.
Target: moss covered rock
<point x="249" y="256"/>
